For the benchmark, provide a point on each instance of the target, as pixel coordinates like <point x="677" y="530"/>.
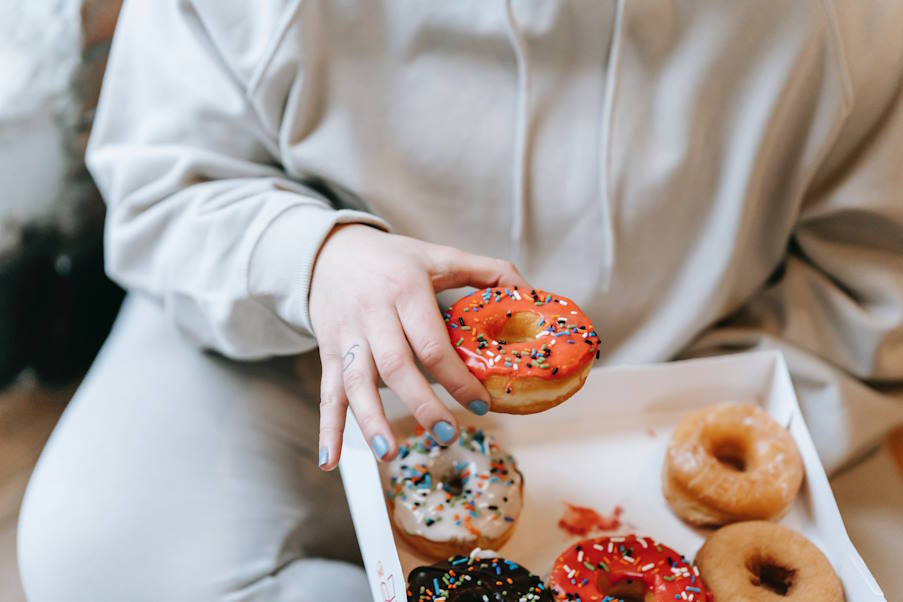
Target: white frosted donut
<point x="450" y="500"/>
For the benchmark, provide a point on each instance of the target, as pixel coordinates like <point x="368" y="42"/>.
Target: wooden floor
<point x="27" y="416"/>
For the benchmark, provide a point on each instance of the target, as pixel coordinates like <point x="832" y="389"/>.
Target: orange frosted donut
<point x="625" y="567"/>
<point x="730" y="462"/>
<point x="531" y="350"/>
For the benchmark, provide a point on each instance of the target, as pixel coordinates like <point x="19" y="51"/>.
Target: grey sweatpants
<point x="177" y="475"/>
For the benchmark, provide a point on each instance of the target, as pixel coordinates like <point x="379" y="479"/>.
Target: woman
<point x="698" y="178"/>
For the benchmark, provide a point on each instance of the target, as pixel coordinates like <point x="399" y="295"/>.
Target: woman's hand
<point x="373" y="308"/>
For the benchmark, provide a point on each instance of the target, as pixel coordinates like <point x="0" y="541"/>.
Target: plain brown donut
<point x="760" y="561"/>
<point x="730" y="462"/>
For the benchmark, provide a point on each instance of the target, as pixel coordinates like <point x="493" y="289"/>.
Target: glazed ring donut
<point x="730" y="462"/>
<point x="530" y="350"/>
<point x="468" y="579"/>
<point x="625" y="567"/>
<point x="760" y="560"/>
<point x="449" y="500"/>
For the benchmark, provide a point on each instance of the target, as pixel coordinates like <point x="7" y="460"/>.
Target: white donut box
<point x="604" y="448"/>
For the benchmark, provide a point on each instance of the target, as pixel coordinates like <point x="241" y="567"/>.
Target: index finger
<point x="453" y="268"/>
<point x="425" y="330"/>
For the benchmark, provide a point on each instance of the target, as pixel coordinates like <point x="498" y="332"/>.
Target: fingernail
<point x="478" y="407"/>
<point x="444" y="432"/>
<point x="380" y="446"/>
<point x="324" y="457"/>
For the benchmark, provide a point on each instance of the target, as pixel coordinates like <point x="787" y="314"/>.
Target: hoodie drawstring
<point x="607" y="261"/>
<point x="521" y="136"/>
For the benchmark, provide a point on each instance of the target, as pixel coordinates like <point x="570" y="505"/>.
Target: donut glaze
<point x="598" y="569"/>
<point x="730" y="462"/>
<point x="472" y="579"/>
<point x="524" y="340"/>
<point x="448" y="500"/>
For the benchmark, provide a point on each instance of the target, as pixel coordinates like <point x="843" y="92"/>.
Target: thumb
<point x="453" y="268"/>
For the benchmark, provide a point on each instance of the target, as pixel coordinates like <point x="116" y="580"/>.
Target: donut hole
<point x="770" y="575"/>
<point x="521" y="327"/>
<point x="453" y="484"/>
<point x="730" y="454"/>
<point x="627" y="590"/>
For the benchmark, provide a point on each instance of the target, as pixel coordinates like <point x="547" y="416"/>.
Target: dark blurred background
<point x="56" y="304"/>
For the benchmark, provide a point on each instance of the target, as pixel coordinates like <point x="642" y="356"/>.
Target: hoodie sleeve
<point x="200" y="214"/>
<point x="836" y="305"/>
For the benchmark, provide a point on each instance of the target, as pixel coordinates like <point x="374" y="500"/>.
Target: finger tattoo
<point x="349" y="356"/>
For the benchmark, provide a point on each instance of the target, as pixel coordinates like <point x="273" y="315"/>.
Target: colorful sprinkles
<point x="461" y="492"/>
<point x="476" y="323"/>
<point x="594" y="564"/>
<point x="469" y="578"/>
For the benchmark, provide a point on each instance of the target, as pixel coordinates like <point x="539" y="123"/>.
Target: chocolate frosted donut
<point x="468" y="579"/>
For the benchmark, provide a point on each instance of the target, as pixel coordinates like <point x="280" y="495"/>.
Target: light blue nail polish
<point x="478" y="407"/>
<point x="380" y="446"/>
<point x="324" y="457"/>
<point x="444" y="432"/>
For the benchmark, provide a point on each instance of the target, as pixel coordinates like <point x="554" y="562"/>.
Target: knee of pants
<point x="73" y="549"/>
<point x="70" y="547"/>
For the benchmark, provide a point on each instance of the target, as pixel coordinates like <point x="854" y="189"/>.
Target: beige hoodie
<point x="703" y="175"/>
